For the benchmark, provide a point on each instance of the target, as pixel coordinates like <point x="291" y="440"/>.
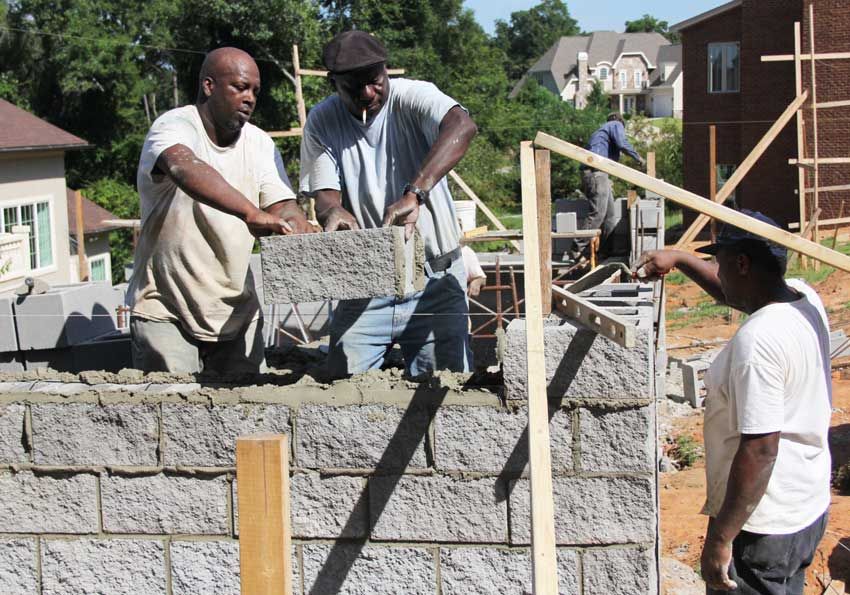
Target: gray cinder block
<point x="615" y="441"/>
<point x="162" y="505"/>
<point x="356" y="569"/>
<point x="47" y="504"/>
<point x="18" y="572"/>
<point x="620" y="571"/>
<point x="489" y="571"/>
<point x="457" y="510"/>
<point x="579" y="363"/>
<point x="92" y="434"/>
<point x="12" y="434"/>
<point x="66" y="315"/>
<point x="341" y="265"/>
<point x="591" y="510"/>
<point x="205" y="567"/>
<point x="114" y="566"/>
<point x="8" y="336"/>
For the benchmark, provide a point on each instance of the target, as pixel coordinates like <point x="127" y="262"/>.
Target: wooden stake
<point x="299" y="95"/>
<point x="262" y="475"/>
<point x="542" y="170"/>
<point x="745" y="166"/>
<point x="480" y="204"/>
<point x="712" y="173"/>
<point x="650" y="163"/>
<point x="82" y="263"/>
<point x="543" y="561"/>
<point x="816" y="232"/>
<point x="694" y="201"/>
<point x="801" y="154"/>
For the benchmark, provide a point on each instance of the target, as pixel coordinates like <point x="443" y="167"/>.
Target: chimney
<point x="583" y="90"/>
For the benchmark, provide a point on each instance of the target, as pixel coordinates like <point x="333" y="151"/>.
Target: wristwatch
<point x="421" y="195"/>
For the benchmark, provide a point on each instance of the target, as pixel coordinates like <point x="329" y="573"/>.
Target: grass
<point x="705" y="309"/>
<point x="686" y="452"/>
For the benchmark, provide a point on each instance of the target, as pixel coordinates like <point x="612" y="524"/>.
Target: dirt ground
<point x="682" y="493"/>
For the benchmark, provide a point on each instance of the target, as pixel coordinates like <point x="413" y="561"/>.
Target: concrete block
<point x="692" y="381"/>
<point x="485" y="571"/>
<point x="367" y="437"/>
<point x="47" y="504"/>
<point x="566" y="222"/>
<point x="621" y="440"/>
<point x="323" y="507"/>
<point x="18" y="570"/>
<point x="568" y="572"/>
<point x="208" y="567"/>
<point x="92" y="434"/>
<point x="341" y="265"/>
<point x="114" y="566"/>
<point x="457" y="510"/>
<point x="66" y="315"/>
<point x="491" y="440"/>
<point x="579" y="363"/>
<point x="110" y="352"/>
<point x="620" y="571"/>
<point x="163" y="505"/>
<point x="206" y="436"/>
<point x="591" y="510"/>
<point x="8" y="335"/>
<point x="351" y="569"/>
<point x="12" y="448"/>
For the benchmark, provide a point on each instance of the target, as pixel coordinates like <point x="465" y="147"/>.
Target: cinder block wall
<point x="130" y="488"/>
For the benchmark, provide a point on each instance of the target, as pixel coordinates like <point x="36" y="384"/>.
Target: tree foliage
<point x="650" y="24"/>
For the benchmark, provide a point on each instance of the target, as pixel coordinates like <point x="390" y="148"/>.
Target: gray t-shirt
<point x="370" y="164"/>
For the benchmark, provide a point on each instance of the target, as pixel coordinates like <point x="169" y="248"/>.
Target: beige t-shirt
<point x="774" y="376"/>
<point x="191" y="262"/>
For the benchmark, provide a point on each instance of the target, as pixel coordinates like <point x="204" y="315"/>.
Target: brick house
<point x="729" y="86"/>
<point x="641" y="72"/>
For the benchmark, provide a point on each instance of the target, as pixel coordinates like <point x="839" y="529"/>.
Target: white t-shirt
<point x="774" y="376"/>
<point x="371" y="164"/>
<point x="471" y="264"/>
<point x="191" y="262"/>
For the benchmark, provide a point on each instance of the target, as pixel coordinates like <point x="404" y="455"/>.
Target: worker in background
<point x="376" y="153"/>
<point x="766" y="417"/>
<point x="209" y="183"/>
<point x="609" y="140"/>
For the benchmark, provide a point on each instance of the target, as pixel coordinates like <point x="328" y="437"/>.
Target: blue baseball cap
<point x="730" y="235"/>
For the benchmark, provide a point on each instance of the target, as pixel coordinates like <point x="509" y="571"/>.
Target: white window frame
<point x="725" y="86"/>
<point x="624" y="79"/>
<point x="34" y="201"/>
<point x="107" y="268"/>
<point x="603" y="73"/>
<point x="638" y="79"/>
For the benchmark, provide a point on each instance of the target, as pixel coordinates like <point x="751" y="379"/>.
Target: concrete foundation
<point x="341" y="265"/>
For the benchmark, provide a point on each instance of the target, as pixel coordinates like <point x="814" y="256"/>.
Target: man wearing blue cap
<point x="766" y="417"/>
<point x="376" y="153"/>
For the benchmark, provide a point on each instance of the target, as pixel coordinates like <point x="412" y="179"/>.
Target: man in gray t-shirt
<point x="377" y="153"/>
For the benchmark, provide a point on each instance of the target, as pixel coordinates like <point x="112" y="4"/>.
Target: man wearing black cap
<point x="766" y="417"/>
<point x="376" y="153"/>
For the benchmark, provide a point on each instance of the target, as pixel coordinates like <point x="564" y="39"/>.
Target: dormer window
<point x="603" y="73"/>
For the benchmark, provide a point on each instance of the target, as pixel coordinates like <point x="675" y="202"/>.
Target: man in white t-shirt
<point x="767" y="415"/>
<point x="376" y="153"/>
<point x="209" y="183"/>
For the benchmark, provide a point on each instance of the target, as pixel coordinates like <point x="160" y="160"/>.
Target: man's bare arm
<point x="289" y="211"/>
<point x="204" y="184"/>
<point x="330" y="213"/>
<point x="655" y="263"/>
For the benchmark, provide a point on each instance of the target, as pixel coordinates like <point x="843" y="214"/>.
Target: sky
<point x="594" y="15"/>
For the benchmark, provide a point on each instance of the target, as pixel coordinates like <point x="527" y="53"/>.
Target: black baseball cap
<point x="353" y="50"/>
<point x="730" y="235"/>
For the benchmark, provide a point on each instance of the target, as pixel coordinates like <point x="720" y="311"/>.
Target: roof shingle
<point x="22" y="131"/>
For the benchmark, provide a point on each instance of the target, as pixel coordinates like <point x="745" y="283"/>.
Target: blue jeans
<point x="430" y="326"/>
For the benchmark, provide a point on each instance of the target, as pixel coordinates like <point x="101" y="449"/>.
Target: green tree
<point x="650" y="24"/>
<point x="121" y="199"/>
<point x="529" y="33"/>
<point x="598" y="98"/>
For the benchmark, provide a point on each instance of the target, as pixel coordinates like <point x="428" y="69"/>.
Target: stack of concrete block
<point x="341" y="265"/>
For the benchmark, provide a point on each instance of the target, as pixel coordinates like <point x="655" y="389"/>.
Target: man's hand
<point x="714" y="564"/>
<point x="404" y="211"/>
<point x="299" y="224"/>
<point x="337" y="218"/>
<point x="475" y="286"/>
<point x="262" y="224"/>
<point x="655" y="264"/>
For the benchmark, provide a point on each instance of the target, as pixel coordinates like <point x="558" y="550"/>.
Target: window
<point x="624" y="79"/>
<point x="603" y="73"/>
<point x="724" y="68"/>
<point x="724" y="172"/>
<point x="638" y="79"/>
<point x="37" y="217"/>
<point x="97" y="268"/>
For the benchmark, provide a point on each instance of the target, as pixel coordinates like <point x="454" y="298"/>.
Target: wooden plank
<point x="821" y="161"/>
<point x="822" y="189"/>
<point x="515" y="234"/>
<point x="299" y="94"/>
<point x="831" y="104"/>
<point x="595" y="318"/>
<point x="745" y="166"/>
<point x="544" y="564"/>
<point x="807" y="233"/>
<point x="262" y="475"/>
<point x="815" y="150"/>
<point x="285" y="133"/>
<point x="475" y="232"/>
<point x="826" y="222"/>
<point x="801" y="154"/>
<point x="650" y="163"/>
<point x="480" y="204"/>
<point x="694" y="201"/>
<point x="82" y="263"/>
<point x="543" y="182"/>
<point x="313" y="72"/>
<point x="790" y="57"/>
<point x="712" y="173"/>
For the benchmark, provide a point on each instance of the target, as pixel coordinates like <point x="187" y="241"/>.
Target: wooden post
<point x="82" y="262"/>
<point x="542" y="170"/>
<point x="262" y="475"/>
<point x="543" y="561"/>
<point x="798" y="89"/>
<point x="299" y="95"/>
<point x="650" y="163"/>
<point x="815" y="173"/>
<point x="712" y="173"/>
